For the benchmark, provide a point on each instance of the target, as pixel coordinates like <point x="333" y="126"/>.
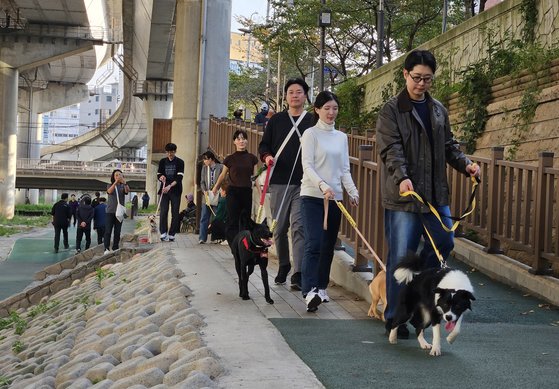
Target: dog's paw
<point x="451" y="337"/>
<point x="269" y="301"/>
<point x="393" y="337"/>
<point x="435" y="351"/>
<point x="424" y="345"/>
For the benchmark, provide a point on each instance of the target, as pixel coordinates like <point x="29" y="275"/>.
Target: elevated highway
<point x="142" y="37"/>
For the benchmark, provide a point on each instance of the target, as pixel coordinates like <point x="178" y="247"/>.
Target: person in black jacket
<point x="416" y="144"/>
<point x="85" y="216"/>
<point x="61" y="215"/>
<point x="280" y="149"/>
<point x="170" y="174"/>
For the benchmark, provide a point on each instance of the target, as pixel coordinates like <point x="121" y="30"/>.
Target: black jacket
<point x="405" y="151"/>
<point x="62" y="213"/>
<point x="85" y="214"/>
<point x="173" y="171"/>
<point x="276" y="130"/>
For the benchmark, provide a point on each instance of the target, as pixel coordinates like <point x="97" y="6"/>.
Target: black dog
<point x="429" y="297"/>
<point x="250" y="248"/>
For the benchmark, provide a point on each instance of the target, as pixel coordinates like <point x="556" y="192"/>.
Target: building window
<point x="96" y="112"/>
<point x="109" y="98"/>
<point x="110" y="111"/>
<point x="96" y="98"/>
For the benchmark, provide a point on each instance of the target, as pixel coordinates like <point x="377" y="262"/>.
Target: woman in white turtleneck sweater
<point x="325" y="160"/>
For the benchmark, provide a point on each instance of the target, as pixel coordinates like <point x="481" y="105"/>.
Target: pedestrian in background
<point x="85" y="216"/>
<point x="239" y="167"/>
<point x="325" y="162"/>
<point x="74" y="204"/>
<point x="416" y="143"/>
<point x="238" y="114"/>
<point x="280" y="149"/>
<point x="170" y="173"/>
<point x="116" y="193"/>
<point x="95" y="201"/>
<point x="145" y="200"/>
<point x="208" y="176"/>
<point x="99" y="219"/>
<point x="134" y="208"/>
<point x="219" y="221"/>
<point x="61" y="216"/>
<point x="260" y="117"/>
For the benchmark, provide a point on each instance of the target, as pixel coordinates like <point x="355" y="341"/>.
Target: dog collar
<point x="247" y="246"/>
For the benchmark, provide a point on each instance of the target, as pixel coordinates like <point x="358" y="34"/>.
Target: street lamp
<point x="380" y="32"/>
<point x="324" y="20"/>
<point x="249" y="32"/>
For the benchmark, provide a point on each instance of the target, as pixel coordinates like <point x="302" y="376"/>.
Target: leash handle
<point x="263" y="194"/>
<point x="354" y="225"/>
<point x="207" y="198"/>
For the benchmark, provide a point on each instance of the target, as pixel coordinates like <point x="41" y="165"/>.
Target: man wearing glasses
<point x="170" y="173"/>
<point x="415" y="144"/>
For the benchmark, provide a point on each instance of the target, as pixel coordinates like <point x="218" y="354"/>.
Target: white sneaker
<point x="106" y="252"/>
<point x="224" y="243"/>
<point x="323" y="295"/>
<point x="164" y="236"/>
<point x="170" y="238"/>
<point x="313" y="300"/>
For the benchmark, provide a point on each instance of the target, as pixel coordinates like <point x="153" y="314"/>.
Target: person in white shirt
<point x="325" y="160"/>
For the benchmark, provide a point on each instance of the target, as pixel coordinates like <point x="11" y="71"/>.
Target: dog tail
<point x="408" y="267"/>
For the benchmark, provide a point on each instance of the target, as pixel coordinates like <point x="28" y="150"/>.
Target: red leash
<point x="263" y="194"/>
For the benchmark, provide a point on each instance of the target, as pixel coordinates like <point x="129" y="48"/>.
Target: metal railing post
<point x="539" y="264"/>
<point x="361" y="264"/>
<point x="493" y="244"/>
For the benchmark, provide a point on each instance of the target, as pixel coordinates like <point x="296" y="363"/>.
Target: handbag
<point x="212" y="199"/>
<point x="120" y="209"/>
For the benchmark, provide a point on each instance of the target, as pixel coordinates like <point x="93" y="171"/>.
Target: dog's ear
<point x="444" y="291"/>
<point x="264" y="222"/>
<point x="470" y="296"/>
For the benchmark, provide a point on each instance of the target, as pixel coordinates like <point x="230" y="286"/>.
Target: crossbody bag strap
<point x="284" y="143"/>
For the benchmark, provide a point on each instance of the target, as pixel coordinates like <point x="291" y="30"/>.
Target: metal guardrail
<point x="81" y="167"/>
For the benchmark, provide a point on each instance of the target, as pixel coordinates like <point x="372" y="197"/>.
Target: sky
<point x="246" y="8"/>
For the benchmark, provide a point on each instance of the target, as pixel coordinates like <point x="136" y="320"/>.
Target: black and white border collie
<point x="429" y="296"/>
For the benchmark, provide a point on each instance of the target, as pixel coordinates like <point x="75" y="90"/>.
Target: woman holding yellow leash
<point x="325" y="160"/>
<point x="415" y="144"/>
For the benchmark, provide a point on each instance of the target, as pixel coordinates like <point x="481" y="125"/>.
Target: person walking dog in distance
<point x="416" y="143"/>
<point x="116" y="192"/>
<point x="280" y="150"/>
<point x="325" y="162"/>
<point x="170" y="173"/>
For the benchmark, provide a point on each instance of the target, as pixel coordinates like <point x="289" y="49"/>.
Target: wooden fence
<point x="517" y="211"/>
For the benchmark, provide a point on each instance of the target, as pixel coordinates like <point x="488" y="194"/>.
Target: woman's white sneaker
<point x="323" y="295"/>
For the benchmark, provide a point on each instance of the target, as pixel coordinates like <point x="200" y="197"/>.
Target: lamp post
<point x="247" y="31"/>
<point x="380" y="32"/>
<point x="324" y="20"/>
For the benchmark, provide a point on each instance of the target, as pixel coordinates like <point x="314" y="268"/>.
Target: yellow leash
<point x="421" y="199"/>
<point x="354" y="225"/>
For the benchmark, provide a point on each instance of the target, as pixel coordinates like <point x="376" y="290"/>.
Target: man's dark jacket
<point x="62" y="214"/>
<point x="405" y="151"/>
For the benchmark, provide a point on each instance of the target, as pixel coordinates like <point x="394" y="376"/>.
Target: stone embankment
<point x="127" y="325"/>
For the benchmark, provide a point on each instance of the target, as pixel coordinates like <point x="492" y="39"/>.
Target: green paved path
<point x="31" y="254"/>
<point x="509" y="340"/>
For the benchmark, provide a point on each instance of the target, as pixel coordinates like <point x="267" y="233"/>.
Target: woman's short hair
<point x="209" y="155"/>
<point x="240" y="132"/>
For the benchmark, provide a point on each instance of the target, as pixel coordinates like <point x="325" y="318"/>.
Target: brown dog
<point x="377" y="288"/>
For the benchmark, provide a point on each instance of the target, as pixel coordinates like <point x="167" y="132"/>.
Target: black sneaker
<point x="282" y="274"/>
<point x="401" y="333"/>
<point x="66" y="247"/>
<point x="296" y="281"/>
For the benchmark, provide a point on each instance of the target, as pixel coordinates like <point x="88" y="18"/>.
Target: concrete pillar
<point x="8" y="137"/>
<point x="155" y="109"/>
<point x="208" y="22"/>
<point x="185" y="91"/>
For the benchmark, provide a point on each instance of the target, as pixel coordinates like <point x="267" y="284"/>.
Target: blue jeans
<point x="403" y="231"/>
<point x="205" y="221"/>
<point x="319" y="243"/>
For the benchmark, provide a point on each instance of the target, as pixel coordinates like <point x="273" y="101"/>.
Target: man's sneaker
<point x="201" y="242"/>
<point x="106" y="252"/>
<point x="224" y="243"/>
<point x="282" y="274"/>
<point x="170" y="238"/>
<point x="164" y="236"/>
<point x="313" y="300"/>
<point x="296" y="281"/>
<point x="323" y="295"/>
<point x="78" y="251"/>
<point x="56" y="250"/>
<point x="66" y="247"/>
